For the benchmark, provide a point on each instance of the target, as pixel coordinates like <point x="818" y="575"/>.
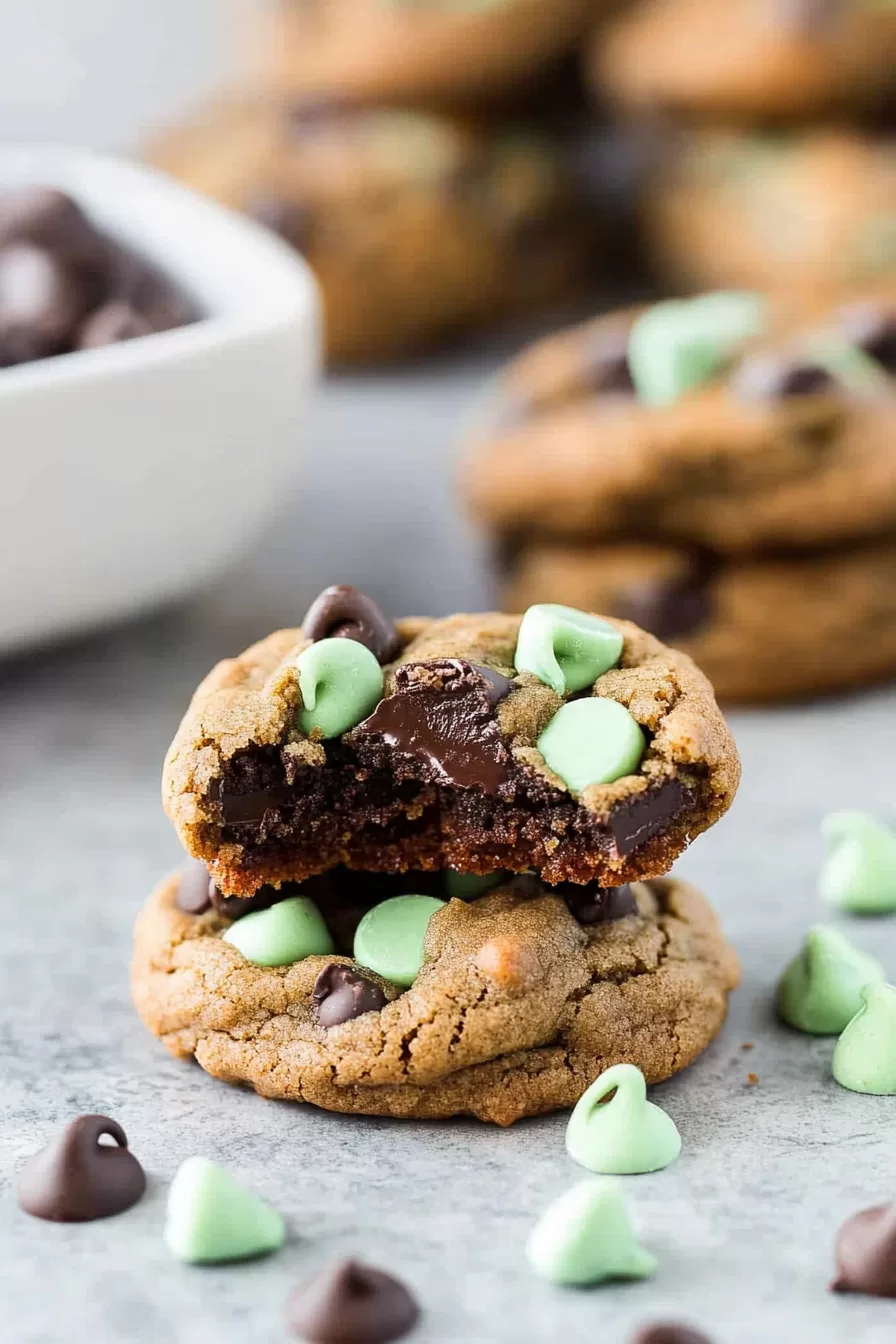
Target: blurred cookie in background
<point x="436" y="54"/>
<point x="719" y="470"/>
<point x="417" y="227"/>
<point x="721" y="421"/>
<point x="806" y="211"/>
<point x="761" y="628"/>
<point x="749" y="61"/>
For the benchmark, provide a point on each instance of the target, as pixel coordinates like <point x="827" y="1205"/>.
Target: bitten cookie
<point x="578" y="747"/>
<point x="437" y="54"/>
<point x="805" y="213"/>
<point x="714" y="421"/>
<point x="749" y="60"/>
<point x="516" y="1009"/>
<point x="417" y="227"/>
<point x="760" y="628"/>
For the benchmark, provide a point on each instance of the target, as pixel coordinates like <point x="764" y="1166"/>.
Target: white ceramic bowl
<point x="130" y="474"/>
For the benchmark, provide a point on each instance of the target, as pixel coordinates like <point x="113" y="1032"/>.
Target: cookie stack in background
<point x="773" y="168"/>
<point x="421" y="158"/>
<point x="720" y="470"/>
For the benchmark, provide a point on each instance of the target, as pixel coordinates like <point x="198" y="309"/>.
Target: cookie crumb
<point x="746" y="1045"/>
<point x="752" y="1079"/>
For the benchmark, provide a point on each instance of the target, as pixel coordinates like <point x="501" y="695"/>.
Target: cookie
<point x="804" y="212"/>
<point x="444" y="53"/>
<point x="749" y="61"/>
<point x="417" y="227"/>
<point x="780" y="440"/>
<point x="760" y="628"/>
<point x="296" y="756"/>
<point x="517" y="1009"/>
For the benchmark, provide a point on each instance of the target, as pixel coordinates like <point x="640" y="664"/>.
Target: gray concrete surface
<point x="743" y="1223"/>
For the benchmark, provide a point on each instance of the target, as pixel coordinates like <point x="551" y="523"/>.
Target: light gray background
<point x="743" y="1223"/>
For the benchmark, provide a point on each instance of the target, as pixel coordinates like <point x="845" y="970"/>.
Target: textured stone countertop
<point x="743" y="1223"/>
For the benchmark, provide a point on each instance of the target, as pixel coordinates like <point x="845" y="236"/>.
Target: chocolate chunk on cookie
<point x="516" y="1009"/>
<point x="574" y="746"/>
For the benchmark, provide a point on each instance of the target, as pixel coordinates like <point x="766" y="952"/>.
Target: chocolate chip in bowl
<point x="66" y="285"/>
<point x="154" y="350"/>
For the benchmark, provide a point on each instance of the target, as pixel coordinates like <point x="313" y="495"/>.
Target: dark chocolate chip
<point x="249" y="809"/>
<point x="234" y="907"/>
<point x="41" y="304"/>
<point x="441" y="716"/>
<point x="76" y="1178"/>
<point x="342" y="612"/>
<point x="866" y="1253"/>
<point x="194" y="891"/>
<point x="605" y="362"/>
<point x="350" y="1303"/>
<point x="113" y="322"/>
<point x="770" y="377"/>
<point x="668" y="608"/>
<point x="340" y="994"/>
<point x="591" y="904"/>
<point x="49" y="219"/>
<point x="637" y="821"/>
<point x="667" y="1332"/>
<point x="872" y="328"/>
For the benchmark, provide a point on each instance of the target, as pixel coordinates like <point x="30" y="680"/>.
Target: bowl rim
<point x="281" y="291"/>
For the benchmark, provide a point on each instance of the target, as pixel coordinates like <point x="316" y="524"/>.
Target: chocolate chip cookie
<point x="417" y="227"/>
<point x="761" y="628"/>
<point x="436" y="54"/>
<point x="803" y="212"/>
<point x="516" y="1008"/>
<point x="717" y="422"/>
<point x="580" y="748"/>
<point x="749" y="60"/>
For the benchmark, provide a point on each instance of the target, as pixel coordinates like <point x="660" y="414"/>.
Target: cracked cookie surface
<point x="261" y="803"/>
<point x="517" y="1009"/>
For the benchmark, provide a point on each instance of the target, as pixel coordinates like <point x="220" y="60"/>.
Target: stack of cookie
<point x="415" y="155"/>
<point x="428" y="862"/>
<point x="777" y="174"/>
<point x="720" y="470"/>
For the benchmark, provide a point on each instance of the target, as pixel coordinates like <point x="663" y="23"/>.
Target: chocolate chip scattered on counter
<point x="866" y="1253"/>
<point x="350" y="1303"/>
<point x="667" y="1332"/>
<point x="341" y="994"/>
<point x="194" y="891"/>
<point x="76" y="1179"/>
<point x="342" y="612"/>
